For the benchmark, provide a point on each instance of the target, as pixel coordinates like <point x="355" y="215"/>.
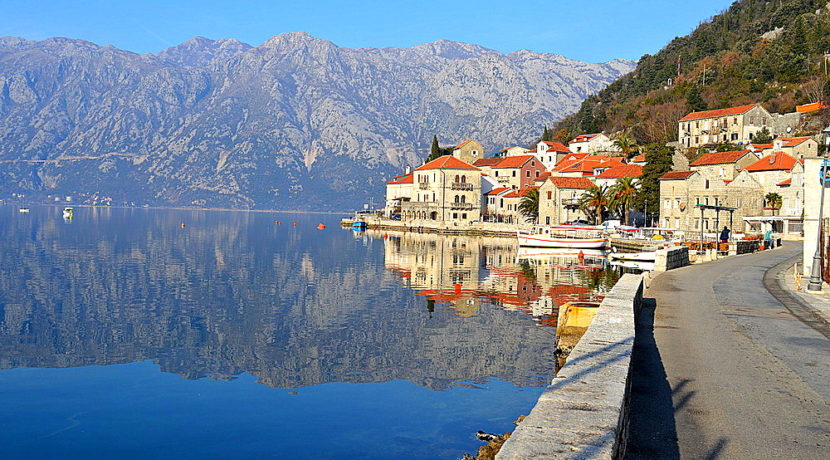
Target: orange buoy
<point x="276" y="222"/>
<point x="457" y="288"/>
<point x="321" y="227"/>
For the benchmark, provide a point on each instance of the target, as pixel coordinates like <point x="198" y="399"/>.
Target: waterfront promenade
<point x="722" y="368"/>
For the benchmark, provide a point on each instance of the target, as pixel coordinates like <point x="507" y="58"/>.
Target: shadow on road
<point x="652" y="432"/>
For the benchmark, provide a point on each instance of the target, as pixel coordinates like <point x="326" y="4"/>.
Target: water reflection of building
<point x="462" y="271"/>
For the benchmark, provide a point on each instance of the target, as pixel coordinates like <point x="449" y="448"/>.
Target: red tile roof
<point x="557" y="147"/>
<point x="785" y="183"/>
<point x="487" y="161"/>
<point x="496" y="191"/>
<point x="446" y="162"/>
<point x="676" y="175"/>
<point x="794" y="141"/>
<point x="622" y="171"/>
<point x="571" y="182"/>
<point x="778" y="161"/>
<point x="402" y="179"/>
<point x="512" y="194"/>
<point x="543" y="177"/>
<point x="806" y="108"/>
<point x="718" y="112"/>
<point x="639" y="159"/>
<point x="575" y="156"/>
<point x="759" y="147"/>
<point x="717" y="158"/>
<point x="514" y="162"/>
<point x="583" y="138"/>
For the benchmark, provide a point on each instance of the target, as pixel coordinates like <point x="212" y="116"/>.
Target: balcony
<point x="461" y="186"/>
<point x="461" y="206"/>
<point x="423" y="186"/>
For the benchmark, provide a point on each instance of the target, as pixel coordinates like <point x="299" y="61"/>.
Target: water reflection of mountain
<point x="233" y="293"/>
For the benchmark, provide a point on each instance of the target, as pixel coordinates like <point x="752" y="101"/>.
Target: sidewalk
<point x="818" y="302"/>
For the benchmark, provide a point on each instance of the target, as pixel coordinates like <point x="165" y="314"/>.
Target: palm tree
<point x="623" y="193"/>
<point x="529" y="205"/>
<point x="594" y="201"/>
<point x="625" y="144"/>
<point x="773" y="201"/>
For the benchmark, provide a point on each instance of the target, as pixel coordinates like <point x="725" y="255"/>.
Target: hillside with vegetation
<point x="772" y="52"/>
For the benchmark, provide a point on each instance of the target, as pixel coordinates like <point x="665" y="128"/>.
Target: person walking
<point x="724" y="235"/>
<point x="768" y="239"/>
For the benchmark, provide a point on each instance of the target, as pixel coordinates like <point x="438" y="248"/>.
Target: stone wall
<point x="671" y="258"/>
<point x="584" y="411"/>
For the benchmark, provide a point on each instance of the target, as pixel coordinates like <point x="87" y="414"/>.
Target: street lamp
<point x="815" y="272"/>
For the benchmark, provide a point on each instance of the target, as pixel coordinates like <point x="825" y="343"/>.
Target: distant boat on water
<point x="68" y="213"/>
<point x="23" y="210"/>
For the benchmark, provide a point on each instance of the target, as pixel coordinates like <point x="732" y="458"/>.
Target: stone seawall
<point x="671" y="258"/>
<point x="584" y="411"/>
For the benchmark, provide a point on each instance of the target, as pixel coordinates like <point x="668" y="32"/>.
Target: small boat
<point x="23" y="210"/>
<point x="321" y="226"/>
<point x="359" y="225"/>
<point x="563" y="237"/>
<point x="647" y="256"/>
<point x="68" y="213"/>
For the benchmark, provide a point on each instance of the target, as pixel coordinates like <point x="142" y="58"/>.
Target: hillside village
<point x="747" y="172"/>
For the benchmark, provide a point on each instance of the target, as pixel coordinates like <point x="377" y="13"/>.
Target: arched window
<point x="456" y="179"/>
<point x="463" y="199"/>
<point x="463" y="179"/>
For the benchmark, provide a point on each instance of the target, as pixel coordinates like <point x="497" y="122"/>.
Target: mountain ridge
<point x="294" y="123"/>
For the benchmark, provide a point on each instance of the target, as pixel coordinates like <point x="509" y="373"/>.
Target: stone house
<point x="468" y="151"/>
<point x="518" y="171"/>
<point x="682" y="191"/>
<point x="559" y="199"/>
<point x="589" y="166"/>
<point x="733" y="125"/>
<point x="591" y="143"/>
<point x="502" y="205"/>
<point x="796" y="147"/>
<point x="723" y="165"/>
<point x="445" y="189"/>
<point x="782" y="174"/>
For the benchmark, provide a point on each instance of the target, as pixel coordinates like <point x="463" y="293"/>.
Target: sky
<point x="587" y="30"/>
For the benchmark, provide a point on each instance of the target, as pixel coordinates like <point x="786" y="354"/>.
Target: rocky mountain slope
<point x="295" y="123"/>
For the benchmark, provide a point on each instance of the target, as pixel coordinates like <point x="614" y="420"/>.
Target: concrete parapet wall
<point x="583" y="413"/>
<point x="671" y="258"/>
<point x="744" y="246"/>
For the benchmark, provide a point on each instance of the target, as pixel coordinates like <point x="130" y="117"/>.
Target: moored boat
<point x="23" y="210"/>
<point x="563" y="237"/>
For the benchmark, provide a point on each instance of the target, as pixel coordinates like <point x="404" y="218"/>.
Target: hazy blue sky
<point x="590" y="30"/>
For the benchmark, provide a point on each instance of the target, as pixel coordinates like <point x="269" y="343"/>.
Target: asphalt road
<point x="722" y="369"/>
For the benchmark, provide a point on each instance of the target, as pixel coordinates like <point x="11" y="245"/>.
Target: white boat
<point x="563" y="237"/>
<point x="641" y="256"/>
<point x="67" y="213"/>
<point x="533" y="252"/>
<point x="23" y="210"/>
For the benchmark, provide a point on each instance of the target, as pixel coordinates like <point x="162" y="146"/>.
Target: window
<point x="455" y="215"/>
<point x="532" y="163"/>
<point x="497" y="174"/>
<point x="464" y="216"/>
<point x="527" y="173"/>
<point x="463" y="199"/>
<point x="537" y="174"/>
<point x="547" y="220"/>
<point x="697" y="200"/>
<point x="474" y="153"/>
<point x="550" y="195"/>
<point x="514" y="173"/>
<point x="463" y="179"/>
<point x="457" y="178"/>
<point x="734" y="136"/>
<point x="706" y="185"/>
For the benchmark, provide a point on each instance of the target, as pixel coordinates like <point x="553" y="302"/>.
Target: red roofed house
<point x="398" y="190"/>
<point x="733" y="125"/>
<point x="559" y="199"/>
<point x="551" y="152"/>
<point x="724" y="165"/>
<point x="589" y="166"/>
<point x="591" y="143"/>
<point x="518" y="171"/>
<point x="445" y="189"/>
<point x="609" y="176"/>
<point x="782" y="174"/>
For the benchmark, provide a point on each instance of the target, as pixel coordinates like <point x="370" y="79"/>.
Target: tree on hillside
<point x="623" y="195"/>
<point x="594" y="201"/>
<point x="659" y="163"/>
<point x="547" y="134"/>
<point x="694" y="100"/>
<point x="529" y="205"/>
<point x="762" y="137"/>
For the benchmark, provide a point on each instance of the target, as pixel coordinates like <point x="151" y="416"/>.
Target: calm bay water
<point x="123" y="334"/>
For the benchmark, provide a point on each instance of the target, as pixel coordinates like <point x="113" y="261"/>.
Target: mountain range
<point x="294" y="123"/>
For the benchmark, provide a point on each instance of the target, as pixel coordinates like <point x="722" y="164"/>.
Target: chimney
<point x="408" y="170"/>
